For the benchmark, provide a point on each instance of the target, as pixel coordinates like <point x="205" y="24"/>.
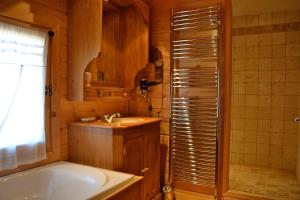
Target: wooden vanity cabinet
<point x="134" y="150"/>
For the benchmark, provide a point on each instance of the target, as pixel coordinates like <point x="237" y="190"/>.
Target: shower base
<point x="267" y="182"/>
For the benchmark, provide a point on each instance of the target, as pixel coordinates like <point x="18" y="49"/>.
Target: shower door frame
<point x="224" y="153"/>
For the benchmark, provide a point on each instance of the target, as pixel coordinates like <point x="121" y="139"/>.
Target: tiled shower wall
<point x="265" y="89"/>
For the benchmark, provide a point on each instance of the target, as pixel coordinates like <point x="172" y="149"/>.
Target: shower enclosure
<point x="264" y="159"/>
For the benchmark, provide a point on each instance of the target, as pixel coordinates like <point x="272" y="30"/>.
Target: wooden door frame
<point x="224" y="155"/>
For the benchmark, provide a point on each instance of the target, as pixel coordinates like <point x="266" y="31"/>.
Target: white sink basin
<point x="127" y="120"/>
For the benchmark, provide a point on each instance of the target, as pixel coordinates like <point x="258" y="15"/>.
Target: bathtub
<point x="61" y="181"/>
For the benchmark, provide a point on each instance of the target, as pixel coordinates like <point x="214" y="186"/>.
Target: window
<point x="23" y="54"/>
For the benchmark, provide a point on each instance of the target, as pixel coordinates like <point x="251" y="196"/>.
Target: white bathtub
<point x="61" y="181"/>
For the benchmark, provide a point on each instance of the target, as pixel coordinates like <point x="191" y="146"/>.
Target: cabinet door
<point x="133" y="154"/>
<point x="151" y="164"/>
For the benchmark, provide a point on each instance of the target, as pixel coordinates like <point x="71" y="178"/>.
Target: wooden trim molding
<point x="227" y="96"/>
<point x="194" y="188"/>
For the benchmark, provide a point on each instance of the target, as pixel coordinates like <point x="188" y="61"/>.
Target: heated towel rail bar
<point x="194" y="115"/>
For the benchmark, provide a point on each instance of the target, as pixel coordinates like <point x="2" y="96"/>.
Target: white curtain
<point x="23" y="53"/>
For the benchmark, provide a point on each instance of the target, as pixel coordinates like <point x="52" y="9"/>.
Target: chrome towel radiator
<point x="194" y="115"/>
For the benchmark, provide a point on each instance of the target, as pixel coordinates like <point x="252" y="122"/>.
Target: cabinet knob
<point x="145" y="170"/>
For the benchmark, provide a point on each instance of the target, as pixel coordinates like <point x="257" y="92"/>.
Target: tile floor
<point x="272" y="183"/>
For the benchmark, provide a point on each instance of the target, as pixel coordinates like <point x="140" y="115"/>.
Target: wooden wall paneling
<point x="134" y="45"/>
<point x="85" y="29"/>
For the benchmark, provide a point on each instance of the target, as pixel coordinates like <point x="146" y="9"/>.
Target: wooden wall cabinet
<point x="110" y="41"/>
<point x="134" y="150"/>
<point x="85" y="29"/>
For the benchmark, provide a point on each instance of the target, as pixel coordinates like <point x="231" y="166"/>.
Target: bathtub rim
<point x="99" y="194"/>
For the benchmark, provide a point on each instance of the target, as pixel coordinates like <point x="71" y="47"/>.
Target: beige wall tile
<point x="279" y="51"/>
<point x="250" y="136"/>
<point x="265" y="93"/>
<point x="277" y="113"/>
<point x="239" y="88"/>
<point x="239" y="41"/>
<point x="251" y="112"/>
<point x="264" y="113"/>
<point x="277" y="126"/>
<point x="251" y="100"/>
<point x="265" y="39"/>
<point x="250" y="148"/>
<point x="292" y="76"/>
<point x="251" y="125"/>
<point x="278" y="101"/>
<point x="265" y="51"/>
<point x="290" y="127"/>
<point x="291" y="88"/>
<point x="239" y="22"/>
<point x="290" y="114"/>
<point x="275" y="162"/>
<point x="238" y="100"/>
<point x="252" y="64"/>
<point x="278" y="89"/>
<point x="239" y="53"/>
<point x="292" y="63"/>
<point x="252" y="20"/>
<point x="292" y="16"/>
<point x="251" y="88"/>
<point x="263" y="138"/>
<point x="279" y="38"/>
<point x="252" y="40"/>
<point x="278" y="63"/>
<point x="238" y="124"/>
<point x="290" y="151"/>
<point x="264" y="101"/>
<point x="292" y="101"/>
<point x="252" y="52"/>
<point x="278" y="76"/>
<point x="265" y="19"/>
<point x="264" y="125"/>
<point x="279" y="17"/>
<point x="293" y="37"/>
<point x="263" y="150"/>
<point x="292" y="50"/>
<point x="265" y="76"/>
<point x="264" y="89"/>
<point x="239" y="77"/>
<point x="290" y="140"/>
<point x="250" y="159"/>
<point x="265" y="64"/>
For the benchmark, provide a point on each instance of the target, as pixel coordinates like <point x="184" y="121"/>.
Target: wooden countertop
<point x="117" y="125"/>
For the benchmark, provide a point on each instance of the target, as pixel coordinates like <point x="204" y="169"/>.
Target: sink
<point x="127" y="120"/>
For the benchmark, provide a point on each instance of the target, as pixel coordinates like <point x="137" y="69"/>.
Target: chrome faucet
<point x="110" y="118"/>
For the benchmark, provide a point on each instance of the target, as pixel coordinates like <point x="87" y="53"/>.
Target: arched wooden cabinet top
<point x="109" y="39"/>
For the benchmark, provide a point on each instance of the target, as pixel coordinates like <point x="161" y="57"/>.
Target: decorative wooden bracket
<point x="143" y="9"/>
